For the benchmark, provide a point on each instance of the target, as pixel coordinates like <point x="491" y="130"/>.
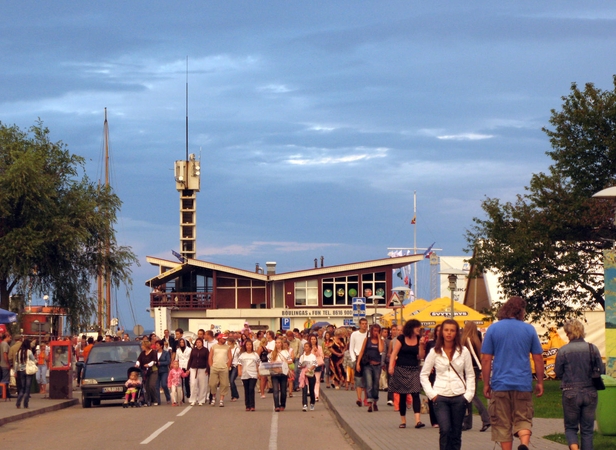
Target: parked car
<point x="105" y="371"/>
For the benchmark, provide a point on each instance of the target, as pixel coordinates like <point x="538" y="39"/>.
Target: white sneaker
<point x="390" y="403"/>
<point x="305" y="408"/>
<point x="200" y="403"/>
<point x="311" y="407"/>
<point x="192" y="403"/>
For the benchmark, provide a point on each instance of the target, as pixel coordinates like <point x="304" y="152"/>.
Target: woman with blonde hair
<point x="279" y="375"/>
<point x="263" y="373"/>
<point x="471" y="340"/>
<point x="576" y="362"/>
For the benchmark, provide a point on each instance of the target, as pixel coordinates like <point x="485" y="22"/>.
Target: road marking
<point x="273" y="443"/>
<point x="188" y="408"/>
<point x="157" y="432"/>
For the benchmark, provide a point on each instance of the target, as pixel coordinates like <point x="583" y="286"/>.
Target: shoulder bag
<point x="31" y="367"/>
<point x="597" y="381"/>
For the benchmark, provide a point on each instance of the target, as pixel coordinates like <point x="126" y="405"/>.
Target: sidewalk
<point x="37" y="405"/>
<point x="380" y="430"/>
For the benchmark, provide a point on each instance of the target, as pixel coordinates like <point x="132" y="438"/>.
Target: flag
<point x="178" y="256"/>
<point x="427" y="252"/>
<point x="414" y="221"/>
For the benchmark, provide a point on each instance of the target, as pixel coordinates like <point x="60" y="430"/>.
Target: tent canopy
<point x="407" y="311"/>
<point x="440" y="309"/>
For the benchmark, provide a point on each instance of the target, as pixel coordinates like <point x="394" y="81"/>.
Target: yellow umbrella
<point x="407" y="312"/>
<point x="440" y="309"/>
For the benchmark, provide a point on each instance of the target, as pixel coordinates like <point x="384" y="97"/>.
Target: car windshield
<point x="114" y="354"/>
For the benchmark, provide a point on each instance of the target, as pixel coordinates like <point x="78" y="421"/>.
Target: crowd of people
<point x="445" y="364"/>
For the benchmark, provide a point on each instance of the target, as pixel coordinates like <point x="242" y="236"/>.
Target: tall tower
<point x="187" y="183"/>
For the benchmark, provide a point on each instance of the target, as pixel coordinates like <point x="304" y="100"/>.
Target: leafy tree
<point x="547" y="245"/>
<point x="53" y="221"/>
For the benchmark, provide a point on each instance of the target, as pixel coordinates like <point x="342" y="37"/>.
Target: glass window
<point x="306" y="293"/>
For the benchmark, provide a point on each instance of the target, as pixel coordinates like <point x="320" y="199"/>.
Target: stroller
<point x="139" y="396"/>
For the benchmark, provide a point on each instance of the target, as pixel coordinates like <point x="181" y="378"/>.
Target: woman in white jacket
<point x="454" y="386"/>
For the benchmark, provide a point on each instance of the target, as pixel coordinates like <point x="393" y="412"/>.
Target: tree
<point x="53" y="222"/>
<point x="547" y="245"/>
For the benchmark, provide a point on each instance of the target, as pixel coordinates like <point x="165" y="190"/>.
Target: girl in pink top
<point x="174" y="382"/>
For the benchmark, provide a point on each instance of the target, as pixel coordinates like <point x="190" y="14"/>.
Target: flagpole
<point x="415" y="240"/>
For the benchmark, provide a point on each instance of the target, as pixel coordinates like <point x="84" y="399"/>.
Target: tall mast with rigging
<point x="104" y="277"/>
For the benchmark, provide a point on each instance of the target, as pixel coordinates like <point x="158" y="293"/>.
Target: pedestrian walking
<point x="454" y="386"/>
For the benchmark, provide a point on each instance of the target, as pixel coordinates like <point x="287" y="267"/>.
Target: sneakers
<point x="213" y="403"/>
<point x="192" y="403"/>
<point x="311" y="407"/>
<point x="200" y="403"/>
<point x="390" y="403"/>
<point x="305" y="408"/>
<point x="522" y="447"/>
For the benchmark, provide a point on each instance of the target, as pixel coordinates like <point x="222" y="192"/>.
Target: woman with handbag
<point x="25" y="368"/>
<point x="371" y="360"/>
<point x="471" y="340"/>
<point x="454" y="386"/>
<point x="577" y="364"/>
<point x="318" y="352"/>
<point x="408" y="349"/>
<point x="279" y="375"/>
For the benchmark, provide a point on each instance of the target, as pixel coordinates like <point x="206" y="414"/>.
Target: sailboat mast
<point x="107" y="243"/>
<point x="415" y="241"/>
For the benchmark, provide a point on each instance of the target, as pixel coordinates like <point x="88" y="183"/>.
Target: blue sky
<point x="315" y="121"/>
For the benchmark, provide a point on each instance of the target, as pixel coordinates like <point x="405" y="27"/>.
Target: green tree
<point x="53" y="221"/>
<point x="547" y="245"/>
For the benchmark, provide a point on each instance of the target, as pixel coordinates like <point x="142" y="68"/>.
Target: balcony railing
<point x="182" y="300"/>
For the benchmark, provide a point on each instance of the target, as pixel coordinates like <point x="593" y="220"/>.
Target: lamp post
<point x="375" y="300"/>
<point x="453" y="284"/>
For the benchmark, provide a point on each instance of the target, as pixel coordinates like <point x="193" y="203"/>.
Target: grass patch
<point x="600" y="442"/>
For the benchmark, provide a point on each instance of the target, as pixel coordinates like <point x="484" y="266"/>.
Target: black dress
<point x="405" y="379"/>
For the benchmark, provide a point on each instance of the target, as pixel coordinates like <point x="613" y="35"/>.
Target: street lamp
<point x="375" y="300"/>
<point x="453" y="284"/>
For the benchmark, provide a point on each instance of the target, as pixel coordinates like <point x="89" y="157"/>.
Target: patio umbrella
<point x="7" y="316"/>
<point x="319" y="325"/>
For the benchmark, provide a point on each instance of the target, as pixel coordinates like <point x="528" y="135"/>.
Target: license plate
<point x="113" y="389"/>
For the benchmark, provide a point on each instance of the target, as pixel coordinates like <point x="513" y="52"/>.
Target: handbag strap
<point x="472" y="349"/>
<point x="461" y="379"/>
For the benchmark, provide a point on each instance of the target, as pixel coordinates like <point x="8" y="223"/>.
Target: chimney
<point x="271" y="267"/>
<point x="322" y="261"/>
<point x="315" y="263"/>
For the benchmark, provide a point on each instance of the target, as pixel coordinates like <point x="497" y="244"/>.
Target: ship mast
<point x="104" y="278"/>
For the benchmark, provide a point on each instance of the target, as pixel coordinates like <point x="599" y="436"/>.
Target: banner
<point x="609" y="264"/>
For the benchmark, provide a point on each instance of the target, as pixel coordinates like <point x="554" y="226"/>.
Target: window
<point x="306" y="293"/>
<point x="374" y="284"/>
<point x="340" y="291"/>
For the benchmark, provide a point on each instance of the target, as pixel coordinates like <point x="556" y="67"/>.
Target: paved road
<point x="111" y="426"/>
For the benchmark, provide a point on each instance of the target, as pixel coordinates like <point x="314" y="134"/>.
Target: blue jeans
<point x="371" y="374"/>
<point x="279" y="383"/>
<point x="232" y="377"/>
<point x="25" y="381"/>
<point x="449" y="413"/>
<point x="161" y="381"/>
<point x="579" y="408"/>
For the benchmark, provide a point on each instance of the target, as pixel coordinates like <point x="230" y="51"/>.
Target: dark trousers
<point x="249" y="392"/>
<point x="483" y="412"/>
<point x="25" y="382"/>
<point x="311" y="382"/>
<point x="186" y="383"/>
<point x="232" y="377"/>
<point x="579" y="407"/>
<point x="450" y="414"/>
<point x="161" y="381"/>
<point x="279" y="383"/>
<point x="416" y="403"/>
<point x="79" y="365"/>
<point x="150" y="388"/>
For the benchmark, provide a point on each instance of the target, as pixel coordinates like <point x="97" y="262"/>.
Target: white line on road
<point x="273" y="443"/>
<point x="188" y="408"/>
<point x="157" y="432"/>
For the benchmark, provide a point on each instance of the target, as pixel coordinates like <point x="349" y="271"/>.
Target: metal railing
<point x="182" y="300"/>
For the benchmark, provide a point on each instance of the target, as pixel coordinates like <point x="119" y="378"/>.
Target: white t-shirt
<point x="250" y="365"/>
<point x="271" y="345"/>
<point x="310" y="360"/>
<point x="356" y="343"/>
<point x="283" y="356"/>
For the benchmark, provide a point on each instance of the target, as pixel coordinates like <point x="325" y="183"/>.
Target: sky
<point x="315" y="121"/>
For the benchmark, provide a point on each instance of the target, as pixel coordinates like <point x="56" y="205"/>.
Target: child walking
<point x="174" y="382"/>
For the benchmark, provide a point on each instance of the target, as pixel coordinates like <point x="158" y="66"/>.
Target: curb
<point x="36" y="412"/>
<point x="357" y="440"/>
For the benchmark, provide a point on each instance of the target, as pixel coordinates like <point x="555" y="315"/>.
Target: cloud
<point x="364" y="154"/>
<point x="256" y="247"/>
<point x="274" y="89"/>
<point x="465" y="137"/>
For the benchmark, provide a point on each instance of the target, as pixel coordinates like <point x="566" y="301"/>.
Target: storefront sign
<point x="318" y="312"/>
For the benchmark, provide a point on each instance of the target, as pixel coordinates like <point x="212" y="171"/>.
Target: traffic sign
<point x="348" y="322"/>
<point x="285" y="323"/>
<point x="359" y="308"/>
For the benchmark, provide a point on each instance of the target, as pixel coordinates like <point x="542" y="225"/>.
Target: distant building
<point x="198" y="294"/>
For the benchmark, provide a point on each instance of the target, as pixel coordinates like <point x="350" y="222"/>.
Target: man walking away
<point x="507" y="375"/>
